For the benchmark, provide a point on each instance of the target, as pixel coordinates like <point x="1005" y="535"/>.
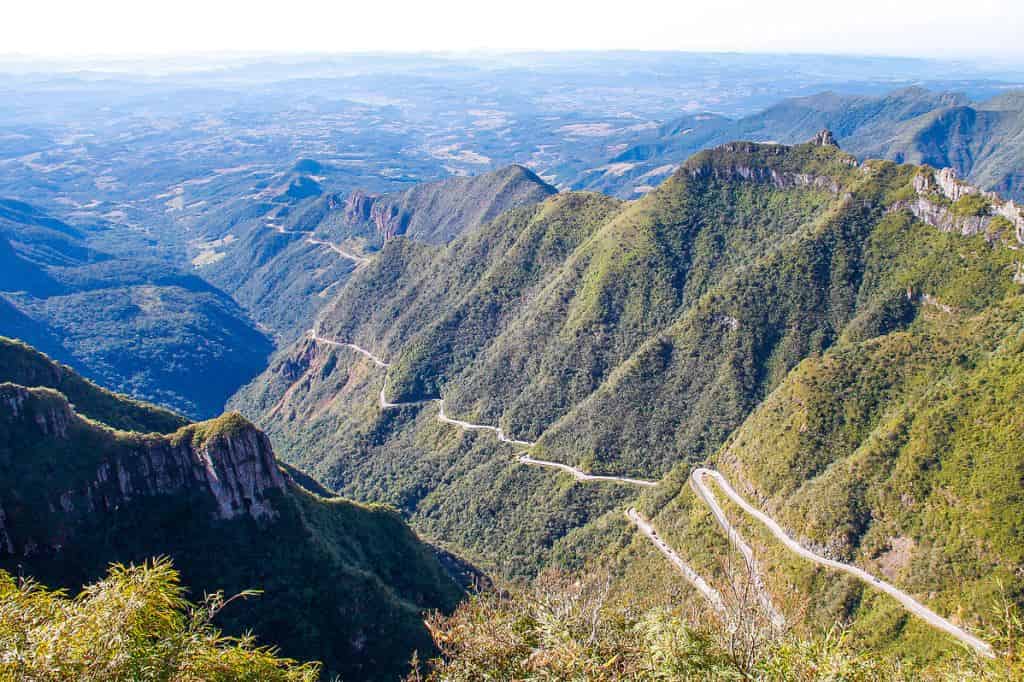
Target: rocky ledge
<point x="948" y="203"/>
<point x="225" y="464"/>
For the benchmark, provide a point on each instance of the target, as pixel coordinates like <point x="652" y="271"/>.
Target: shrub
<point x="133" y="625"/>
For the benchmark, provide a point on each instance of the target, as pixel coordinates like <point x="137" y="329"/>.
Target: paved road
<point x="313" y="334"/>
<point x="737" y="540"/>
<point x="908" y="602"/>
<point x="469" y="426"/>
<point x="582" y="476"/>
<point x="709" y="593"/>
<point x="359" y="260"/>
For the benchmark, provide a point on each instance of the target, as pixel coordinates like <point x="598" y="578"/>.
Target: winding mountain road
<point x="908" y="602"/>
<point x="710" y="593"/>
<point x="309" y="239"/>
<point x="737" y="541"/>
<point x="470" y="426"/>
<point x="698" y="482"/>
<point x="315" y="336"/>
<point x="582" y="476"/>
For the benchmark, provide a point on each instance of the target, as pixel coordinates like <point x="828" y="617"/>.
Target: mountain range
<point x="827" y="332"/>
<point x="556" y="387"/>
<point x="980" y="140"/>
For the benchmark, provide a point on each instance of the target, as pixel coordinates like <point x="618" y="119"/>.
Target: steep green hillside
<point x="24" y="365"/>
<point x="899" y="453"/>
<point x="635" y="339"/>
<point x="273" y="269"/>
<point x="340" y="582"/>
<point x="138" y="325"/>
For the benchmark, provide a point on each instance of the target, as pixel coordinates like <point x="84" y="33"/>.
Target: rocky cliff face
<point x="386" y="218"/>
<point x="744" y="161"/>
<point x="225" y="464"/>
<point x="937" y="191"/>
<point x="940" y="192"/>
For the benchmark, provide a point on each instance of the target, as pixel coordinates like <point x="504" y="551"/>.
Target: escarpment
<point x="380" y="212"/>
<point x="817" y="166"/>
<point x="339" y="582"/>
<point x="61" y="470"/>
<point x="952" y="205"/>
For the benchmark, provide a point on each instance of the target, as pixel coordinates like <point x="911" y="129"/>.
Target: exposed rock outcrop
<point x="762" y="163"/>
<point x="381" y="212"/>
<point x="825" y="138"/>
<point x="225" y="464"/>
<point x="938" y="191"/>
<point x="765" y="175"/>
<point x="938" y="195"/>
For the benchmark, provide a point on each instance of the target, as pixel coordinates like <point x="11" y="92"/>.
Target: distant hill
<point x="983" y="141"/>
<point x="340" y="582"/>
<point x="139" y="325"/>
<point x="273" y="270"/>
<point x="433" y="212"/>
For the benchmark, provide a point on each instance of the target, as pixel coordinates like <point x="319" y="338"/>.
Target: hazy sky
<point x="952" y="28"/>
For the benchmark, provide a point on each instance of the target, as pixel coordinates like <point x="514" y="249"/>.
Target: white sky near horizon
<point x="133" y="28"/>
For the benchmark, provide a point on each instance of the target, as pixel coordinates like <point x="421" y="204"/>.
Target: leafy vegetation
<point x="971" y="205"/>
<point x="340" y="582"/>
<point x="575" y="627"/>
<point x="640" y="339"/>
<point x="136" y="625"/>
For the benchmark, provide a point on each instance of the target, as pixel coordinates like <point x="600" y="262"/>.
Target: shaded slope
<point x="341" y="582"/>
<point x="139" y="325"/>
<point x="24" y="365"/>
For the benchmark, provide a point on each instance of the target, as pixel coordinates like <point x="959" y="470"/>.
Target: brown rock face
<point x="385" y="216"/>
<point x="357" y="206"/>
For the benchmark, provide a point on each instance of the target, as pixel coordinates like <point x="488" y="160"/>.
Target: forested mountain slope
<point x="340" y="582"/>
<point x="899" y="454"/>
<point x="635" y="339"/>
<point x="277" y="262"/>
<point x="137" y="324"/>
